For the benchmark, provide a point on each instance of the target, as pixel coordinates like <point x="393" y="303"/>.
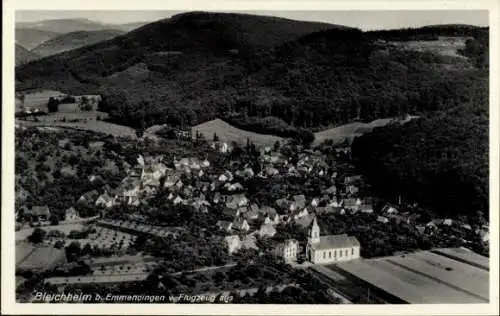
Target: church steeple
<point x="314" y="232"/>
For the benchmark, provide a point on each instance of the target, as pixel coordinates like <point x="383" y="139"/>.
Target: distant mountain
<point x="198" y="66"/>
<point x="24" y="56"/>
<point x="31" y="38"/>
<point x="73" y="25"/>
<point x="63" y="25"/>
<point x="202" y="34"/>
<point x="73" y="40"/>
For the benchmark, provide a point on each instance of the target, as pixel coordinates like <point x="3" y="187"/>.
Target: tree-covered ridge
<point x="430" y="32"/>
<point x="439" y="161"/>
<point x="308" y="75"/>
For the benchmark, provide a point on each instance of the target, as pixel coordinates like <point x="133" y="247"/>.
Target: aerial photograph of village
<point x="248" y="158"/>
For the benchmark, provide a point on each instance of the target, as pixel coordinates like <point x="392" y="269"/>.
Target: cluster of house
<point x="244" y="221"/>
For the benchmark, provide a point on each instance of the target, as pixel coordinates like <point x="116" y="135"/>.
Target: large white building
<point x="287" y="250"/>
<point x="330" y="248"/>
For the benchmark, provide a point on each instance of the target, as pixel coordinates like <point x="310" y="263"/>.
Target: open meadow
<point x="229" y="133"/>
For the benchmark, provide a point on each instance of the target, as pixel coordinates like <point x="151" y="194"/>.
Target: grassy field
<point x="90" y="125"/>
<point x="229" y="133"/>
<point x="349" y="131"/>
<point x="38" y="99"/>
<point x="446" y="46"/>
<point x="70" y="116"/>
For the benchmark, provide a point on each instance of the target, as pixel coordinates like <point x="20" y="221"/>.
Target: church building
<point x="331" y="248"/>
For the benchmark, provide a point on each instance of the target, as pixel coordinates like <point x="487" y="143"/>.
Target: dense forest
<point x="309" y="75"/>
<point x="439" y="161"/>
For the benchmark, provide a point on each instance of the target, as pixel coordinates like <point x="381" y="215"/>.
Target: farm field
<point x="458" y="274"/>
<point x="38" y="99"/>
<point x="91" y="125"/>
<point x="422" y="277"/>
<point x="229" y="133"/>
<point x="464" y="255"/>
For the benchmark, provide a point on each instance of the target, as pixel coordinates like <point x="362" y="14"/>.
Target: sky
<point x="366" y="20"/>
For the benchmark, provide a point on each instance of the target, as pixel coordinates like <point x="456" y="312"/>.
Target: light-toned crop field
<point x="229" y="133"/>
<point x="465" y="255"/>
<point x="349" y="131"/>
<point x="448" y="271"/>
<point x="423" y="277"/>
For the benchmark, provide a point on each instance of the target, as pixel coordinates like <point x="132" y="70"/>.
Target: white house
<point x="71" y="215"/>
<point x="105" y="200"/>
<point x="178" y="200"/>
<point x="383" y="219"/>
<point x="287" y="250"/>
<point x="222" y="147"/>
<point x="233" y="243"/>
<point x="241" y="224"/>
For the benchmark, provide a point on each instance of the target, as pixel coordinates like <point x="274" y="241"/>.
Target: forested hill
<point x="23" y="55"/>
<point x="439" y="161"/>
<point x="198" y="66"/>
<point x="430" y="32"/>
<point x="73" y="40"/>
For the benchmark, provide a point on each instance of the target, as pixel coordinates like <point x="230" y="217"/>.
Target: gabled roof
<point x="224" y="224"/>
<point x="231" y="212"/>
<point x="305" y="221"/>
<point x="267" y="229"/>
<point x="336" y="242"/>
<point x="91" y="195"/>
<point x="234" y="200"/>
<point x="37" y="210"/>
<point x="282" y="202"/>
<point x="239" y="222"/>
<point x="105" y="196"/>
<point x="249" y="242"/>
<point x="270" y="211"/>
<point x="299" y="198"/>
